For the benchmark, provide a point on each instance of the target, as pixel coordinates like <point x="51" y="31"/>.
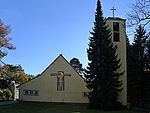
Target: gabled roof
<point x="49" y="67"/>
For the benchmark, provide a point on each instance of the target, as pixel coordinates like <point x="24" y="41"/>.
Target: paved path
<point x="8" y="102"/>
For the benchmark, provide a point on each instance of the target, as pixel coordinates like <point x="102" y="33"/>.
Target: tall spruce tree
<point x="139" y="50"/>
<point x="101" y="75"/>
<point x="135" y="76"/>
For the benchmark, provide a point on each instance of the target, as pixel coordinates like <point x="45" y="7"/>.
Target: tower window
<point x="116" y="37"/>
<point x="115" y="26"/>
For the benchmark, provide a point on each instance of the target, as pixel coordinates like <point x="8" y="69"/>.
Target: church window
<point x="116" y="34"/>
<point x="26" y="92"/>
<point x="85" y="94"/>
<point x="36" y="93"/>
<point x="116" y="37"/>
<point x="31" y="92"/>
<point x="115" y="26"/>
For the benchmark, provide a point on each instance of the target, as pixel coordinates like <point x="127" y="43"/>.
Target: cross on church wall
<point x="60" y="80"/>
<point x="113" y="10"/>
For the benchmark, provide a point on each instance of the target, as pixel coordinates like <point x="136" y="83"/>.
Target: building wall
<point x="47" y="85"/>
<point x="121" y="51"/>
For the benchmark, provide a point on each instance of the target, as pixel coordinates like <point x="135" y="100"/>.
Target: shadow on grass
<point x="49" y="108"/>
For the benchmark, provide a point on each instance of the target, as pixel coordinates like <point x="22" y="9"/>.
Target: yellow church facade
<point x="59" y="83"/>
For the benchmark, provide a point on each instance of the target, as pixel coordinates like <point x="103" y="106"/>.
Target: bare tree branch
<point x="139" y="14"/>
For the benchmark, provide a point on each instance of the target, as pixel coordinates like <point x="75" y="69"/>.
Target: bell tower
<point x="118" y="30"/>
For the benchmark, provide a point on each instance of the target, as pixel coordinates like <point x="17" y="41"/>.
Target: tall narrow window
<point x="116" y="37"/>
<point x="115" y="26"/>
<point x="116" y="34"/>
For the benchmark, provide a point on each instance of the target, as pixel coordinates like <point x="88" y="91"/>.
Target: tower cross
<point x="113" y="10"/>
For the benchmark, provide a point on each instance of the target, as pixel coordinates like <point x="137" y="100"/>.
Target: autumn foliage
<point x="4" y="45"/>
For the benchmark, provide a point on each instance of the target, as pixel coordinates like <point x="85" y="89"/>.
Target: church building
<point x="60" y="83"/>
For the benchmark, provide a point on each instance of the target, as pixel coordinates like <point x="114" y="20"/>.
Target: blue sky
<point x="43" y="29"/>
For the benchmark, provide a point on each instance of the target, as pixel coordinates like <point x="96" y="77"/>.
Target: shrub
<point x="5" y="94"/>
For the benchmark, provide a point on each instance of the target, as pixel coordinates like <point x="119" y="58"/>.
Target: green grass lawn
<point x="49" y="108"/>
